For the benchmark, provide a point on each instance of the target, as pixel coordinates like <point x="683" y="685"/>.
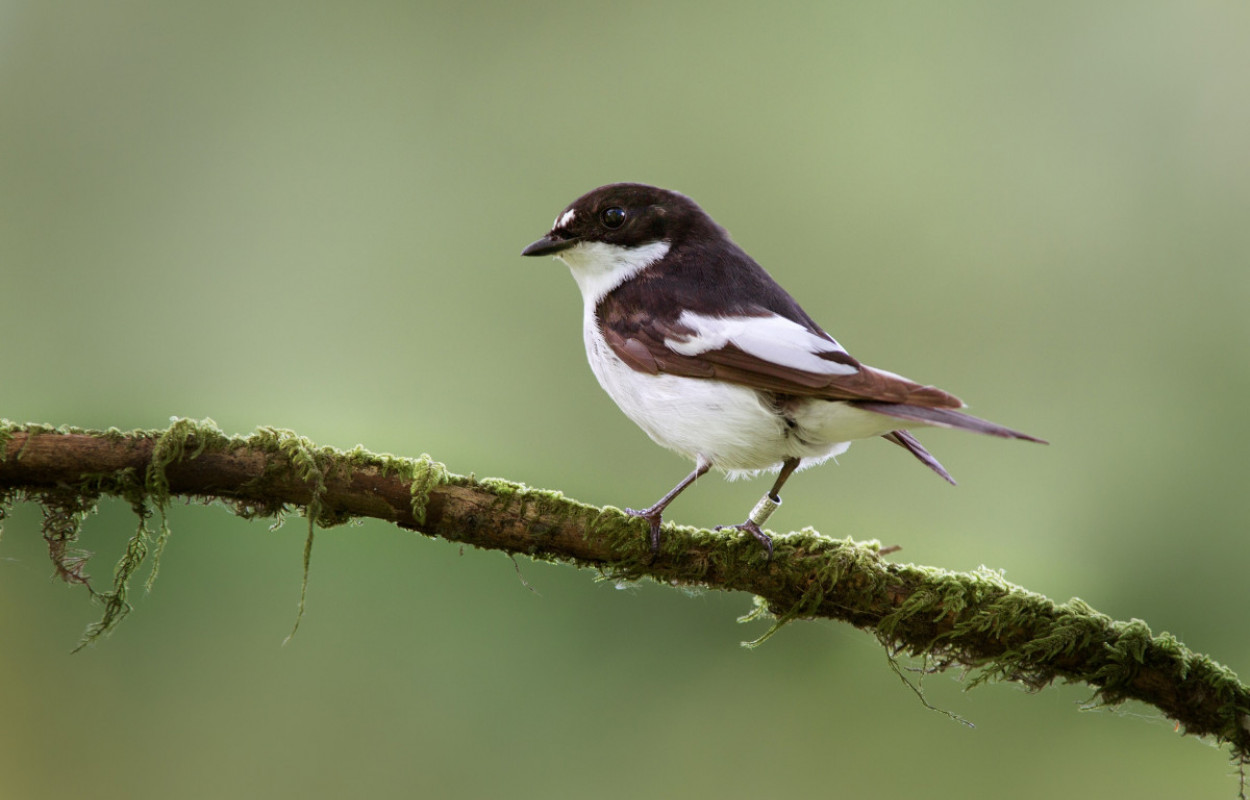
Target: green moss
<point x="426" y="475"/>
<point x="31" y="428"/>
<point x="817" y="563"/>
<point x="310" y="465"/>
<point x="521" y="500"/>
<point x="975" y="621"/>
<point x="184" y="440"/>
<point x="6" y="435"/>
<point x="64" y="510"/>
<point x="7" y="496"/>
<point x="115" y="601"/>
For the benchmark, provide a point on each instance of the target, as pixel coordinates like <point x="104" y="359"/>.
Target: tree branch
<point x="969" y="620"/>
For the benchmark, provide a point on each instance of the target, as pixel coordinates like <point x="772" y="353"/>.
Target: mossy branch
<point x="976" y="621"/>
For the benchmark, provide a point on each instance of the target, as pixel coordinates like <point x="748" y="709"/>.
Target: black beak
<point x="549" y="245"/>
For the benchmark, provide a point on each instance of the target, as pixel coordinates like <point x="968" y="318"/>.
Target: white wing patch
<point x="773" y="338"/>
<point x="563" y="220"/>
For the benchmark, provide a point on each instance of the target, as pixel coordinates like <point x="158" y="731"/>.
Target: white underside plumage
<point x="725" y="425"/>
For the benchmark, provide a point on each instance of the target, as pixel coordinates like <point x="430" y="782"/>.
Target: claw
<point x="750" y="527"/>
<point x="652" y="516"/>
<point x="654" y="513"/>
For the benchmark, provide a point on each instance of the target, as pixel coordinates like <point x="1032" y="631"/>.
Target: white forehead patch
<point x="563" y="220"/>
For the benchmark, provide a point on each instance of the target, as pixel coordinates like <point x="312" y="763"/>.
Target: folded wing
<point x="764" y="351"/>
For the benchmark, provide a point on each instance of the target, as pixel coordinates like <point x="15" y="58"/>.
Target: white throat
<point x="599" y="267"/>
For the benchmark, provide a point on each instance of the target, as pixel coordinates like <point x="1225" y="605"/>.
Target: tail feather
<point x="944" y="418"/>
<point x="912" y="445"/>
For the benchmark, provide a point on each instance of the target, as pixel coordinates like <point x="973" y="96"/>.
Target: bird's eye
<point x="613" y="217"/>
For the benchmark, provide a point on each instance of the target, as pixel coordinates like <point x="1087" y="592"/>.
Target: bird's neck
<point x="599" y="267"/>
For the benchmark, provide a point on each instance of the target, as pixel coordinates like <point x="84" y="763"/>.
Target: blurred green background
<point x="309" y="215"/>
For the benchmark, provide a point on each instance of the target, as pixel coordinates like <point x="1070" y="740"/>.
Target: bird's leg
<point x="766" y="506"/>
<point x="655" y="512"/>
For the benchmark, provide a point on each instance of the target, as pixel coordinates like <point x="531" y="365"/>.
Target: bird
<point x="701" y="348"/>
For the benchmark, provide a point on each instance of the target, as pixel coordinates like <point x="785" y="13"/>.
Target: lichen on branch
<point x="975" y="621"/>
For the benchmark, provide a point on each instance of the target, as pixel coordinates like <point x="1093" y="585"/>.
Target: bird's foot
<point x="652" y="515"/>
<point x="752" y="528"/>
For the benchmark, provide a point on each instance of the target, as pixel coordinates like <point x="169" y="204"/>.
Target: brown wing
<point x="639" y="339"/>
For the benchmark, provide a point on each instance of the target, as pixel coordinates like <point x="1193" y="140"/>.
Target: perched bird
<point x="704" y="351"/>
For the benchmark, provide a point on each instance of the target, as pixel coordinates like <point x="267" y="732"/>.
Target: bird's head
<point x="611" y="233"/>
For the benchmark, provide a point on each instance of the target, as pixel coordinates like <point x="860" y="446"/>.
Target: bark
<point x="966" y="620"/>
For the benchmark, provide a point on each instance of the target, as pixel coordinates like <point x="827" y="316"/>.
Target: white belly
<point x="729" y="426"/>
